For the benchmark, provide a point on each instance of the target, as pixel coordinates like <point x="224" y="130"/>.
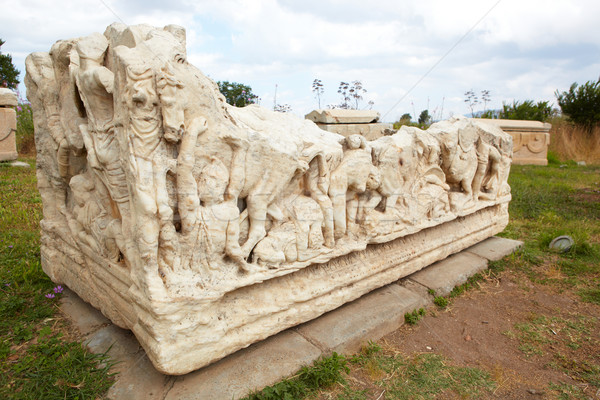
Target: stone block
<point x="530" y="139"/>
<point x="204" y="228"/>
<point x="8" y="98"/>
<point x="341" y="116"/>
<point x="8" y="129"/>
<point x="369" y="131"/>
<point x="84" y="317"/>
<point x="253" y="368"/>
<point x="495" y="248"/>
<point x="139" y="380"/>
<point x="348" y="328"/>
<point x="444" y="275"/>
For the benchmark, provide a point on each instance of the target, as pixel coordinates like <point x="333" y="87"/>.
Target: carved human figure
<point x="459" y="163"/>
<point x="298" y="238"/>
<point x="90" y="222"/>
<point x="95" y="84"/>
<point x="355" y="172"/>
<point x="208" y="201"/>
<point x="488" y="167"/>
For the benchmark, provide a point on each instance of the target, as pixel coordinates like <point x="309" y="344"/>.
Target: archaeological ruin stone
<point x="204" y="228"/>
<point x="350" y="122"/>
<point x="530" y="139"/>
<point x="8" y="125"/>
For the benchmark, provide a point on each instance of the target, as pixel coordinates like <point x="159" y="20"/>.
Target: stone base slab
<point x="273" y="359"/>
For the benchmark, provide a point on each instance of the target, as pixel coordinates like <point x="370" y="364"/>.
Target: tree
<point x="317" y="88"/>
<point x="406" y="117"/>
<point x="581" y="103"/>
<point x="9" y="75"/>
<point x="472" y="101"/>
<point x="237" y="94"/>
<point x="527" y="110"/>
<point x="424" y="118"/>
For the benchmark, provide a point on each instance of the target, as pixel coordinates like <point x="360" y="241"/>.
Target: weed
<point x="413" y="317"/>
<point x="469" y="284"/>
<point x="322" y="374"/>
<point x="590" y="295"/>
<point x="567" y="392"/>
<point x="440" y="301"/>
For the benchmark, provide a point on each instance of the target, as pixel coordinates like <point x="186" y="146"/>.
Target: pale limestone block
<point x="530" y="139"/>
<point x="8" y="129"/>
<point x="342" y="116"/>
<point x="369" y="131"/>
<point x="8" y="98"/>
<point x="204" y="228"/>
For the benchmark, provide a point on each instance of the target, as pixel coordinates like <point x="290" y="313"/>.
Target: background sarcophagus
<point x="204" y="228"/>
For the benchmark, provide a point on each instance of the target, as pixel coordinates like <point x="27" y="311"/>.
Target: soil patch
<point x="527" y="336"/>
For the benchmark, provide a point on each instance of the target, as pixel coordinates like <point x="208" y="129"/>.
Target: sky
<point x="409" y="55"/>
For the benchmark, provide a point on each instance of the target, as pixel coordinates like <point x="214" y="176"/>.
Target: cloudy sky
<point x="409" y="55"/>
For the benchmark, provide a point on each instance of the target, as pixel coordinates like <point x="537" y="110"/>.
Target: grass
<point x="37" y="360"/>
<point x="324" y="373"/>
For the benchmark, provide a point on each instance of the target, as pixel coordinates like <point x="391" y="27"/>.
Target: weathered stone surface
<point x="495" y="248"/>
<point x="8" y="129"/>
<point x="530" y="139"/>
<point x="341" y="116"/>
<point x="85" y="317"/>
<point x="8" y="98"/>
<point x="369" y="131"/>
<point x="139" y="380"/>
<point x="255" y="367"/>
<point x="204" y="228"/>
<point x="371" y="315"/>
<point x="444" y="275"/>
<point x="348" y="328"/>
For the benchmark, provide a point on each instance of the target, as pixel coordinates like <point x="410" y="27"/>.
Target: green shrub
<point x="527" y="110"/>
<point x="581" y="103"/>
<point x="25" y="130"/>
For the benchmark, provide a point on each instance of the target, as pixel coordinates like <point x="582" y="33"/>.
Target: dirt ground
<point x="491" y="328"/>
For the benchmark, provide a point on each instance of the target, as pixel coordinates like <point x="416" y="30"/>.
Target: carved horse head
<point x="172" y="109"/>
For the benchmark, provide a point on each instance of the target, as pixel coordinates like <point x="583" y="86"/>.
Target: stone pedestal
<point x="350" y="122"/>
<point x="8" y="125"/>
<point x="204" y="228"/>
<point x="530" y="139"/>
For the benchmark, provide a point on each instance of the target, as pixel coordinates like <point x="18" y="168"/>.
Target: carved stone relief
<point x="204" y="227"/>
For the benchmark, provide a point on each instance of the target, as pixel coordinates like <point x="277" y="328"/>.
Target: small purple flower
<point x="50" y="296"/>
<point x="58" y="289"/>
<point x="10" y="247"/>
<point x="7" y="284"/>
<point x="19" y="108"/>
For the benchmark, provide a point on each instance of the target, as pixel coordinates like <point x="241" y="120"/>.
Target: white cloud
<point x="520" y="50"/>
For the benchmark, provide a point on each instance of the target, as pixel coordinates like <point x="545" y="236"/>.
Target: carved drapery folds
<point x="168" y="200"/>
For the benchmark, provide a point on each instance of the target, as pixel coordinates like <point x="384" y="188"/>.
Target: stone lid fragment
<point x="512" y="124"/>
<point x="8" y="98"/>
<point x="339" y="116"/>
